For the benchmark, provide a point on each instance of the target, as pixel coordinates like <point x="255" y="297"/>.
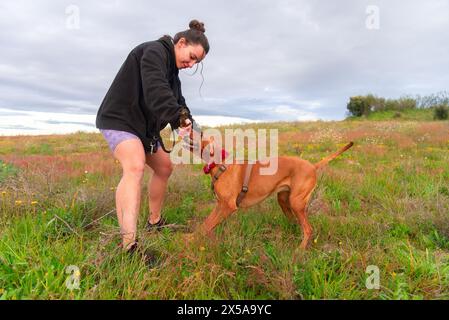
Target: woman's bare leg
<point x="162" y="166"/>
<point x="131" y="155"/>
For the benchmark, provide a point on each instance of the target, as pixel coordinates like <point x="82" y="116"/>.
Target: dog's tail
<point x="333" y="156"/>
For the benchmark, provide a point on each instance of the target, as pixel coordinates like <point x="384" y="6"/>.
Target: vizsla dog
<point x="294" y="182"/>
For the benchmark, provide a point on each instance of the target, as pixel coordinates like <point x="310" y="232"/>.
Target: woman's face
<point x="188" y="55"/>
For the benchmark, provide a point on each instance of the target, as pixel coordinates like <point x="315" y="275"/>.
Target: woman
<point x="144" y="97"/>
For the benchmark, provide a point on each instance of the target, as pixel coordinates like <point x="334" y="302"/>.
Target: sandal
<point x="156" y="226"/>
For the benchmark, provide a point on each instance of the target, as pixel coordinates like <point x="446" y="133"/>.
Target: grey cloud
<point x="267" y="57"/>
<point x="70" y="122"/>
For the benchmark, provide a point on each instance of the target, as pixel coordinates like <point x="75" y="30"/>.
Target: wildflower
<point x="3" y="193"/>
<point x="340" y="243"/>
<point x="315" y="240"/>
<point x="86" y="172"/>
<point x="202" y="248"/>
<point x="248" y="251"/>
<point x="33" y="203"/>
<point x="393" y="274"/>
<point x="18" y="202"/>
<point x="112" y="188"/>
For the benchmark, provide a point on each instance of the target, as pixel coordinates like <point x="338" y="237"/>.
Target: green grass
<point x="6" y="170"/>
<point x="404" y="115"/>
<point x="383" y="203"/>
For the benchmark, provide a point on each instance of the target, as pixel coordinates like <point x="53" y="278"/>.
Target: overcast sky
<point x="269" y="60"/>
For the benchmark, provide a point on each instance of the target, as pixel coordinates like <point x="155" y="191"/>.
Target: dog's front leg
<point x="218" y="214"/>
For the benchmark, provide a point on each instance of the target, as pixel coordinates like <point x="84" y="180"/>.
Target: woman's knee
<point x="131" y="156"/>
<point x="164" y="170"/>
<point x="135" y="169"/>
<point x="160" y="163"/>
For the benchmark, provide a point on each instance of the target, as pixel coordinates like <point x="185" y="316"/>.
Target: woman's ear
<point x="182" y="42"/>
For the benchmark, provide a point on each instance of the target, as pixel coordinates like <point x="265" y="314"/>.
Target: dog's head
<point x="210" y="151"/>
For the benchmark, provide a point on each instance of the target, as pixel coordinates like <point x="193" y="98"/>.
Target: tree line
<point x="359" y="106"/>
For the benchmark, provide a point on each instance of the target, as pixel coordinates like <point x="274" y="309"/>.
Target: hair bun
<point x="195" y="24"/>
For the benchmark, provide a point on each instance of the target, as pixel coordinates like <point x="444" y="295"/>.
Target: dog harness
<point x="222" y="168"/>
<point x="244" y="190"/>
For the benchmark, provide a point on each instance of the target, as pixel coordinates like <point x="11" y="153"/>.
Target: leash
<point x="184" y="114"/>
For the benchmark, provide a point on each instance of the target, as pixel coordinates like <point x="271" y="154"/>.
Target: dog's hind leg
<point x="299" y="207"/>
<point x="284" y="203"/>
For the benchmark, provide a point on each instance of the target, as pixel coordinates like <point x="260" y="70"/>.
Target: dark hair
<point x="194" y="35"/>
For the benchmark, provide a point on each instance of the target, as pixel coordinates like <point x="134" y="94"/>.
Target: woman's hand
<point x="185" y="129"/>
<point x="185" y="125"/>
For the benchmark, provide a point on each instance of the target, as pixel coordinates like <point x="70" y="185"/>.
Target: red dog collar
<point x="208" y="167"/>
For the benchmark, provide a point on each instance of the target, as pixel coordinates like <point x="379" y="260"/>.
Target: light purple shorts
<point x="114" y="137"/>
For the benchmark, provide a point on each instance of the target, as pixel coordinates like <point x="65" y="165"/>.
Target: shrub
<point x="406" y="103"/>
<point x="363" y="105"/>
<point x="440" y="112"/>
<point x="375" y="103"/>
<point x="432" y="100"/>
<point x="358" y="106"/>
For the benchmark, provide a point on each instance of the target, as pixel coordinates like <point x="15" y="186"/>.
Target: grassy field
<point x="384" y="203"/>
<point x="423" y="114"/>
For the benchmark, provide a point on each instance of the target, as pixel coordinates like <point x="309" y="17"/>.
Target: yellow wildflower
<point x="18" y="202"/>
<point x="202" y="248"/>
<point x="33" y="203"/>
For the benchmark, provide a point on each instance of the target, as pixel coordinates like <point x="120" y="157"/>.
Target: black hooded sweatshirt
<point x="146" y="93"/>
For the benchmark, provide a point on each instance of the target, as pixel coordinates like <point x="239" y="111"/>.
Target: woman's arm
<point x="158" y="95"/>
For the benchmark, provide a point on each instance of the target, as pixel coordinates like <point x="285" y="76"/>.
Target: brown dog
<point x="294" y="182"/>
